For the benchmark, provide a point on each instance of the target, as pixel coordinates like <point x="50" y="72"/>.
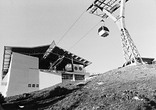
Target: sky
<point x="30" y="23"/>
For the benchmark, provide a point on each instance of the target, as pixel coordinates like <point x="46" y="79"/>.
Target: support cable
<point x="83" y="36"/>
<point x="70" y="27"/>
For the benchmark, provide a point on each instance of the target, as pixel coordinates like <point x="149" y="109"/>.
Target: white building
<point x="30" y="69"/>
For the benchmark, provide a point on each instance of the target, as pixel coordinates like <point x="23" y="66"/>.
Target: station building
<point x="27" y="69"/>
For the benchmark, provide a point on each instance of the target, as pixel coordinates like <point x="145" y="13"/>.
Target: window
<point x="79" y="77"/>
<point x="75" y="68"/>
<point x="67" y="76"/>
<point x="80" y="68"/>
<point x="37" y="85"/>
<point x="29" y="85"/>
<point x="33" y="85"/>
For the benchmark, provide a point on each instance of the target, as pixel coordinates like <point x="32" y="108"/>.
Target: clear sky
<point x="39" y="22"/>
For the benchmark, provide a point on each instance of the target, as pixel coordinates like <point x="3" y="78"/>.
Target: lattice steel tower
<point x="105" y="9"/>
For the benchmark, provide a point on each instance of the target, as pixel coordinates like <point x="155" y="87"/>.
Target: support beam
<point x="57" y="62"/>
<point x="49" y="50"/>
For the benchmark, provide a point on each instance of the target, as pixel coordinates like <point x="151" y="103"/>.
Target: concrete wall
<point x="33" y="79"/>
<point x="4" y="85"/>
<point x="23" y="71"/>
<point x="24" y="76"/>
<point x="48" y="79"/>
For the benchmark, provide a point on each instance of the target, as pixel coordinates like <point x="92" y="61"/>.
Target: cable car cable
<point x="83" y="36"/>
<point x="70" y="27"/>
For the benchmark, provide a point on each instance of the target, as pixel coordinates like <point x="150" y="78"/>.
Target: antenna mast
<point x="105" y="9"/>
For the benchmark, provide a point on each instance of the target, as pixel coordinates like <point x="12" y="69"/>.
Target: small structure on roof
<point x="35" y="68"/>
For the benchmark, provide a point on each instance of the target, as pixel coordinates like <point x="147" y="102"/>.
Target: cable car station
<point x="27" y="69"/>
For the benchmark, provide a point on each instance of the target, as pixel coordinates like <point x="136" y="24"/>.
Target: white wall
<point x="23" y="70"/>
<point x="4" y="85"/>
<point x="33" y="78"/>
<point x="48" y="79"/>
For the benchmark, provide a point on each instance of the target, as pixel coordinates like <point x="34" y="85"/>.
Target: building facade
<point x="25" y="74"/>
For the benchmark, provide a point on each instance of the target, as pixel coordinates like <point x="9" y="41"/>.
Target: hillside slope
<point x="128" y="88"/>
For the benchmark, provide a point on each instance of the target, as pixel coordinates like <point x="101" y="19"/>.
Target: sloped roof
<point x="47" y="54"/>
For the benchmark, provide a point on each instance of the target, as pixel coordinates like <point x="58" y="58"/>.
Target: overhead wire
<point x="70" y="27"/>
<point x="63" y="36"/>
<point x="83" y="36"/>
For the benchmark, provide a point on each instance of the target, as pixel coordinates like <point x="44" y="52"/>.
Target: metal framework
<point x="105" y="9"/>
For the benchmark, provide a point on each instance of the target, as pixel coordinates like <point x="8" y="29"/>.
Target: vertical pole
<point x="72" y="69"/>
<point x="73" y="77"/>
<point x="72" y="65"/>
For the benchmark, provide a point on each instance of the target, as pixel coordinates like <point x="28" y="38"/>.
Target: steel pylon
<point x="105" y="9"/>
<point x="131" y="53"/>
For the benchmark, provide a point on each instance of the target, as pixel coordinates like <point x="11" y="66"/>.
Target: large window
<point x="67" y="76"/>
<point x="79" y="77"/>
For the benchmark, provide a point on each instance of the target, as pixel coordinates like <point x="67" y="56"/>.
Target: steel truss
<point x="105" y="9"/>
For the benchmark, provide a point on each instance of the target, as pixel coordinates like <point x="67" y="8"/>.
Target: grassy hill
<point x="128" y="88"/>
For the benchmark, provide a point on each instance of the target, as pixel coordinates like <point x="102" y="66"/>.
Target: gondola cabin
<point x="103" y="31"/>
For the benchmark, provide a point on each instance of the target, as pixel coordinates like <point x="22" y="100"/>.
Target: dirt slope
<point x="129" y="88"/>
